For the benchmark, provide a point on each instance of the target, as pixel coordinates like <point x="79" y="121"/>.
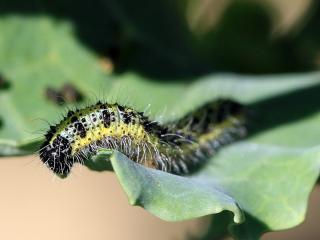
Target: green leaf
<point x="271" y="185"/>
<point x="171" y="197"/>
<point x="267" y="177"/>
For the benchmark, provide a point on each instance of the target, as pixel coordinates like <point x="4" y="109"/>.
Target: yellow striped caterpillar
<point x="174" y="147"/>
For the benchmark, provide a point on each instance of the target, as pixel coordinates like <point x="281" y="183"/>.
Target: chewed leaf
<point x="168" y="196"/>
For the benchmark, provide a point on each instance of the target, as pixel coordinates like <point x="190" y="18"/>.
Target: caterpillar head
<point x="56" y="155"/>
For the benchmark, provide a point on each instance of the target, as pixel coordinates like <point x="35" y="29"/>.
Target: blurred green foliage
<point x="155" y="38"/>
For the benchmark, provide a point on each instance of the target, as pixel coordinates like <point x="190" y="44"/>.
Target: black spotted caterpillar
<point x="175" y="147"/>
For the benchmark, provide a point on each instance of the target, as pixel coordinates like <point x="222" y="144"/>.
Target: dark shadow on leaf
<point x="222" y="227"/>
<point x="218" y="227"/>
<point x="250" y="229"/>
<point x="283" y="109"/>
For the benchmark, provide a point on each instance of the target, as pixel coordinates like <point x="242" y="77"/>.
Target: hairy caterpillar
<point x="175" y="147"/>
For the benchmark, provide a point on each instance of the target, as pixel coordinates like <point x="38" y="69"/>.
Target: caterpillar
<point x="175" y="147"/>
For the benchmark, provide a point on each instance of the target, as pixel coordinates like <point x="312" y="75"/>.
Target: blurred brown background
<point x="34" y="204"/>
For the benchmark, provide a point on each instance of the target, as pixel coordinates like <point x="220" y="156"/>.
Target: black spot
<point x="126" y="118"/>
<point x="83" y="120"/>
<point x="151" y="127"/>
<point x="94" y="119"/>
<point x="70" y="113"/>
<point x="74" y="119"/>
<point x="121" y="108"/>
<point x="49" y="135"/>
<point x="53" y="129"/>
<point x="80" y="129"/>
<point x="106" y="118"/>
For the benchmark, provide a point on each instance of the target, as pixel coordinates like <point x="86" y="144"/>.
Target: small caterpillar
<point x="175" y="147"/>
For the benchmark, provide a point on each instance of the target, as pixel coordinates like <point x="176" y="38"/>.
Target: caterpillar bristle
<point x="175" y="147"/>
